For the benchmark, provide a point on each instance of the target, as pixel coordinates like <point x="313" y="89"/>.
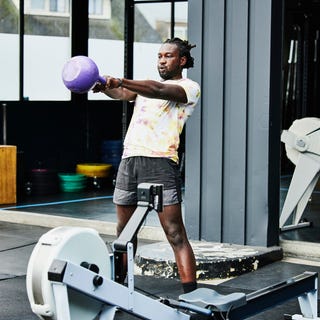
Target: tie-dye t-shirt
<point x="156" y="124"/>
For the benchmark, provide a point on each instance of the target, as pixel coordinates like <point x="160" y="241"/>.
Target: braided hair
<point x="184" y="49"/>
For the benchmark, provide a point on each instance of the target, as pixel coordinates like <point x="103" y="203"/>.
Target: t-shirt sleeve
<point x="192" y="90"/>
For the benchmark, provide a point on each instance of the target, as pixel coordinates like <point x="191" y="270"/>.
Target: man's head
<point x="174" y="55"/>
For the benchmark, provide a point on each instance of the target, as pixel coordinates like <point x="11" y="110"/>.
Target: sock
<point x="189" y="286"/>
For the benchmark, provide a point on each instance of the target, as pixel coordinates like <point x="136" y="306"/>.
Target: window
<point x="59" y="6"/>
<point x="37" y="5"/>
<point x="47" y="27"/>
<point x="9" y="53"/>
<point x="43" y="63"/>
<point x="153" y="24"/>
<point x="45" y="7"/>
<point x="95" y="7"/>
<point x="106" y="39"/>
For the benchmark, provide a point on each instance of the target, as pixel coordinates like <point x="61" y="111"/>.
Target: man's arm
<point x="148" y="88"/>
<point x="156" y="90"/>
<point x="113" y="90"/>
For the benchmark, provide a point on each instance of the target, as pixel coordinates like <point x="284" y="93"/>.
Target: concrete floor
<point x="96" y="205"/>
<point x="22" y="224"/>
<point x="17" y="242"/>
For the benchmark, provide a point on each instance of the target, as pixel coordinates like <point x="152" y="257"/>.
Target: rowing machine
<point x="72" y="275"/>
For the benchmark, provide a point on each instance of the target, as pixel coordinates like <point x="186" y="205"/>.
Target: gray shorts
<point x="135" y="170"/>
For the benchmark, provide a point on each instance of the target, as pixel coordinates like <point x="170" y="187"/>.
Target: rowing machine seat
<point x="215" y="300"/>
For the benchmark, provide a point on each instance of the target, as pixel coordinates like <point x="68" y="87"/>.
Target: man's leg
<point x="172" y="223"/>
<point x="124" y="214"/>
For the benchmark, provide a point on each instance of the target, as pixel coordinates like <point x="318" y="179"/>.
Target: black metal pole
<point x="79" y="36"/>
<point x="21" y="48"/>
<point x="128" y="58"/>
<point x="172" y="19"/>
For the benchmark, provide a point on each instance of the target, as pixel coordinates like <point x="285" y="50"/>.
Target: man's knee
<point x="176" y="237"/>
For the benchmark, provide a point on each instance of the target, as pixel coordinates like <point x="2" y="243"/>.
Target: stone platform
<point x="214" y="260"/>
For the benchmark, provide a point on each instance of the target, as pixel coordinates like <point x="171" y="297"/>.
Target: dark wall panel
<point x="232" y="174"/>
<point x="58" y="135"/>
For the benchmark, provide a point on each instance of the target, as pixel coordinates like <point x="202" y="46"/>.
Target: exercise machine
<point x="302" y="144"/>
<point x="72" y="275"/>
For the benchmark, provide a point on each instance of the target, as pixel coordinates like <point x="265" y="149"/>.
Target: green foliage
<point x="9" y="17"/>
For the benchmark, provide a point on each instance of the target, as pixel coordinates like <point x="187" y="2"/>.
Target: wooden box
<point x="8" y="174"/>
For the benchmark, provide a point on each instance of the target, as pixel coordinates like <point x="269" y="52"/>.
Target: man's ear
<point x="183" y="61"/>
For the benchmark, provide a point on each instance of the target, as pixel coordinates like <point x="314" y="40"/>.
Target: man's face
<point x="169" y="62"/>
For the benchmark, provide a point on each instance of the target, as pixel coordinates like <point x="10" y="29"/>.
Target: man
<point x="151" y="145"/>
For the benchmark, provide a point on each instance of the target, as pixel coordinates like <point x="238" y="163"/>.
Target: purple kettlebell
<point x="80" y="74"/>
